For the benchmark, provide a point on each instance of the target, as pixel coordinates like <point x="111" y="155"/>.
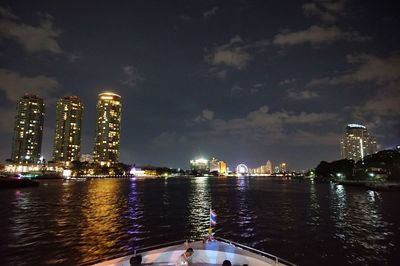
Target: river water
<point x="70" y="222"/>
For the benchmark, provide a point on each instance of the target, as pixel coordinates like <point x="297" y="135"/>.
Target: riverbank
<point x="374" y="185"/>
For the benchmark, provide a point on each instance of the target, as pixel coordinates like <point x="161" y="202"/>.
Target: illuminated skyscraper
<point x="199" y="164"/>
<point x="67" y="137"/>
<point x="222" y="167"/>
<point x="268" y="167"/>
<point x="213" y="165"/>
<point x="357" y="143"/>
<point x="28" y="130"/>
<point x="107" y="139"/>
<point x="283" y="167"/>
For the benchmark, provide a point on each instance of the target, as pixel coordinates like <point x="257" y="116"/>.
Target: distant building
<point x="268" y="167"/>
<point x="67" y="137"/>
<point x="28" y="130"/>
<point x="199" y="164"/>
<point x="213" y="165"/>
<point x="262" y="170"/>
<point x="222" y="168"/>
<point x="357" y="143"/>
<point x="202" y="165"/>
<point x="283" y="167"/>
<point x="108" y="128"/>
<point x="87" y="157"/>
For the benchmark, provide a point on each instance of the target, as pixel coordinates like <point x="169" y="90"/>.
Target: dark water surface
<point x="69" y="222"/>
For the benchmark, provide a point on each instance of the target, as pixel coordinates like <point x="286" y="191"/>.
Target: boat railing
<point x="257" y="251"/>
<point x="135" y="251"/>
<point x="276" y="259"/>
<point x="144" y="249"/>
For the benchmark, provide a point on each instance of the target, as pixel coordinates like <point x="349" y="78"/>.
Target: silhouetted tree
<point x="333" y="170"/>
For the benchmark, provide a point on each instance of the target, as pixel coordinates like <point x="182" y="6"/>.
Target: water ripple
<point x="65" y="223"/>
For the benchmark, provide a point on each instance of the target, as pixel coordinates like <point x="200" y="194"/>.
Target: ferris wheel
<point x="242" y="169"/>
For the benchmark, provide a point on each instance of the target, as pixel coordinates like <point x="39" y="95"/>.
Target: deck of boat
<point x="209" y="253"/>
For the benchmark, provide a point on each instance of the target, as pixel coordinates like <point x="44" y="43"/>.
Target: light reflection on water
<point x="64" y="223"/>
<point x="359" y="223"/>
<point x="199" y="206"/>
<point x="314" y="216"/>
<point x="100" y="218"/>
<point x="135" y="213"/>
<point x="244" y="216"/>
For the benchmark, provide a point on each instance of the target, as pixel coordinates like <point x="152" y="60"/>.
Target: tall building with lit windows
<point x="28" y="130"/>
<point x="283" y="167"/>
<point x="107" y="139"/>
<point x="357" y="143"/>
<point x="199" y="164"/>
<point x="67" y="137"/>
<point x="222" y="167"/>
<point x="268" y="167"/>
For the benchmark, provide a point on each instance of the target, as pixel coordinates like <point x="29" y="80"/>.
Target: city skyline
<point x="238" y="80"/>
<point x="67" y="135"/>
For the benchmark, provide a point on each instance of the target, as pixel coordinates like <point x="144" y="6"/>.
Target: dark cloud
<point x="233" y="55"/>
<point x="169" y="140"/>
<point x="131" y="76"/>
<point x="7" y="13"/>
<point x="317" y="34"/>
<point x="211" y="12"/>
<point x="254" y="90"/>
<point x="14" y="85"/>
<point x="286" y="82"/>
<point x="269" y="127"/>
<point x="327" y="11"/>
<point x="185" y="17"/>
<point x="368" y="68"/>
<point x="301" y="94"/>
<point x="43" y="37"/>
<point x="236" y="54"/>
<point x="383" y="105"/>
<point x="6" y="119"/>
<point x="236" y="90"/>
<point x="205" y="115"/>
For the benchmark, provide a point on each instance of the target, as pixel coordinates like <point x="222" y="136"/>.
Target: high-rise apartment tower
<point x="67" y="137"/>
<point x="108" y="128"/>
<point x="357" y="143"/>
<point x="28" y="130"/>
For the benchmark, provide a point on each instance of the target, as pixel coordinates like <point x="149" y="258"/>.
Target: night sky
<point x="243" y="81"/>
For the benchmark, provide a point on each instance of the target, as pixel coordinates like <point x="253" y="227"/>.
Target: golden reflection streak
<point x="100" y="214"/>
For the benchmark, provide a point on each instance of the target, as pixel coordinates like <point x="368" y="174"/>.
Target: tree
<point x="78" y="168"/>
<point x="342" y="169"/>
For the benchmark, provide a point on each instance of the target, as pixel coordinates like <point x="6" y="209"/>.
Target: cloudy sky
<point x="245" y="81"/>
